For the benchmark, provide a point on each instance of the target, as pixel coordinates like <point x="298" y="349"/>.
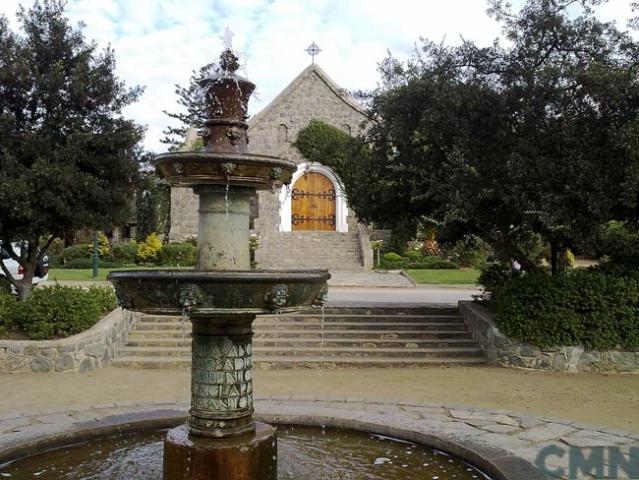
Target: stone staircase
<point x="313" y="249"/>
<point x="344" y="337"/>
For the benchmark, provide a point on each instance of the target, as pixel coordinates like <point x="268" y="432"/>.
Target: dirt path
<point x="610" y="400"/>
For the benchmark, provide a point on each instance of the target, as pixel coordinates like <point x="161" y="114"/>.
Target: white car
<point x="16" y="270"/>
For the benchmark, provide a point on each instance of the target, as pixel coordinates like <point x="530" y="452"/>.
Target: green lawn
<point x="86" y="274"/>
<point x="463" y="276"/>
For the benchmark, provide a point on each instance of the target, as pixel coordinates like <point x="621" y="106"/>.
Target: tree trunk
<point x="558" y="259"/>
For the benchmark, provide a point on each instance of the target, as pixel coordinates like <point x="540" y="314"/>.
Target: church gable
<point x="312" y="95"/>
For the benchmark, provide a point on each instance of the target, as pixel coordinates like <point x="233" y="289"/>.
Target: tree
<point x="536" y="137"/>
<point x="67" y="155"/>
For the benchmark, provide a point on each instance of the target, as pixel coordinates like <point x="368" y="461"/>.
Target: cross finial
<point x="227" y="39"/>
<point x="313" y="50"/>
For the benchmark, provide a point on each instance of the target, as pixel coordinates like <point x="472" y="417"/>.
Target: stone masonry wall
<point x="80" y="353"/>
<point x="310" y="97"/>
<point x="504" y="351"/>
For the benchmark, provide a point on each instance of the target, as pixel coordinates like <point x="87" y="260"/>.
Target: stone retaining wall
<point x="504" y="351"/>
<point x="80" y="353"/>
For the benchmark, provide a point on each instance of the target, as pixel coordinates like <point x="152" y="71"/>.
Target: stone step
<point x="328" y="317"/>
<point x="292" y="342"/>
<point x="371" y="335"/>
<point x="375" y="311"/>
<point x="320" y="350"/>
<point x="276" y="362"/>
<point x="315" y="325"/>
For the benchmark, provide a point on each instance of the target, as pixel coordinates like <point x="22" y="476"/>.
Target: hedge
<point x="585" y="308"/>
<point x="177" y="254"/>
<point x="56" y="311"/>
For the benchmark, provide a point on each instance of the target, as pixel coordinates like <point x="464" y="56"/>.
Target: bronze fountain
<point x="222" y="295"/>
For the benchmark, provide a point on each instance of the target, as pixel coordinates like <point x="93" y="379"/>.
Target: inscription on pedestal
<point x="222" y="375"/>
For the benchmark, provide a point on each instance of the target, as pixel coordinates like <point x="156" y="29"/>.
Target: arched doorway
<point x="313" y="203"/>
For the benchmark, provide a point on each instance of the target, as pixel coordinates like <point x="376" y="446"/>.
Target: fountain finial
<point x="229" y="61"/>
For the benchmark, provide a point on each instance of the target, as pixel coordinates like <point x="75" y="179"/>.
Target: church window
<point x="282" y="134"/>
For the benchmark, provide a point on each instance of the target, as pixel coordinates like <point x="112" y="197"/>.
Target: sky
<point x="158" y="43"/>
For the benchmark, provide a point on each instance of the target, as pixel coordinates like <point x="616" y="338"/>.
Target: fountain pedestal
<point x="221" y="441"/>
<point x="189" y="457"/>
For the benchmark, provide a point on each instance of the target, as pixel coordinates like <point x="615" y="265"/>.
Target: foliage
<point x="493" y="277"/>
<point x="491" y="137"/>
<point x="620" y="242"/>
<point x="58" y="312"/>
<point x="427" y="263"/>
<point x="585" y="308"/>
<point x="82" y="263"/>
<point x="190" y="98"/>
<point x="123" y="253"/>
<point x="392" y="257"/>
<point x="177" y="254"/>
<point x="67" y="154"/>
<point x="5" y="285"/>
<point x="470" y="251"/>
<point x="255" y="241"/>
<point x="7" y="305"/>
<point x="54" y="252"/>
<point x="152" y="206"/>
<point x="104" y="249"/>
<point x="413" y="256"/>
<point x="377" y="244"/>
<point x="74" y="252"/>
<point x="149" y="248"/>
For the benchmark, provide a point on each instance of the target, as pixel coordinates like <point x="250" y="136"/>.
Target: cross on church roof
<point x="313" y="50"/>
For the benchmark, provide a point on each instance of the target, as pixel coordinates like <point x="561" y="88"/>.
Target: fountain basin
<point x="188" y="169"/>
<point x="219" y="292"/>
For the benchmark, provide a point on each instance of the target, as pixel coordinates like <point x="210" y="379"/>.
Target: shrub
<point x="149" y="248"/>
<point x="54" y="252"/>
<point x="7" y="306"/>
<point x="620" y="242"/>
<point x="392" y="257"/>
<point x="84" y="263"/>
<point x="585" y="308"/>
<point x="177" y="254"/>
<point x="470" y="252"/>
<point x="80" y="250"/>
<point x="123" y="253"/>
<point x="413" y="255"/>
<point x="493" y="277"/>
<point x="58" y="312"/>
<point x="104" y="249"/>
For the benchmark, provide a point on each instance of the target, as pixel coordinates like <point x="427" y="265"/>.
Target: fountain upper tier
<point x="224" y="159"/>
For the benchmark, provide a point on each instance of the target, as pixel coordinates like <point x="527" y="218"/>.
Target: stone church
<point x="308" y="225"/>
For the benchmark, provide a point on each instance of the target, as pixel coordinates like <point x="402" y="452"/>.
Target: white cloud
<point x="159" y="42"/>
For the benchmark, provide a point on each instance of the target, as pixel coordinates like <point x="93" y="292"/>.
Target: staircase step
<point x="331" y="338"/>
<point x="276" y="362"/>
<point x="318" y="351"/>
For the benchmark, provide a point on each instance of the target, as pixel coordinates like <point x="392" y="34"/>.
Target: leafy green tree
<point x="67" y="154"/>
<point x="537" y="136"/>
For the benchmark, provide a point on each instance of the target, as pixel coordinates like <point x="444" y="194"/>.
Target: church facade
<point x="309" y="224"/>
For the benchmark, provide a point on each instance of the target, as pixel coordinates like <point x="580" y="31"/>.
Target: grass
<point x="86" y="274"/>
<point x="463" y="276"/>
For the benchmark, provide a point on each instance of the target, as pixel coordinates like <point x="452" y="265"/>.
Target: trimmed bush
<point x="84" y="263"/>
<point x="584" y="308"/>
<point x="493" y="277"/>
<point x="413" y="256"/>
<point x="470" y="252"/>
<point x="58" y="312"/>
<point x="123" y="253"/>
<point x="80" y="250"/>
<point x="177" y="254"/>
<point x="392" y="257"/>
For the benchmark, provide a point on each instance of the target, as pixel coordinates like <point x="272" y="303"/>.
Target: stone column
<point x="223" y="232"/>
<point x="222" y="376"/>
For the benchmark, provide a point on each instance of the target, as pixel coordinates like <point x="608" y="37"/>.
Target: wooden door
<point x="313" y="203"/>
